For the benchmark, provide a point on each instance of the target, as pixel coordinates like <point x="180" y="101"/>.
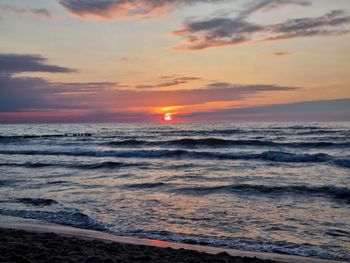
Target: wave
<point x="57" y="182"/>
<point x="29" y="165"/>
<point x="145" y="185"/>
<point x="285" y="130"/>
<point x="275" y="156"/>
<point x="320" y="132"/>
<point x="5" y="182"/>
<point x="324" y="190"/>
<point x="87" y="166"/>
<point x="70" y="218"/>
<point x="247" y="129"/>
<point x="225" y="143"/>
<point x="212" y="132"/>
<point x="328" y="190"/>
<point x="44" y="136"/>
<point x="217" y="142"/>
<point x="37" y="201"/>
<point x="127" y="143"/>
<point x="107" y="165"/>
<point x="300" y="127"/>
<point x="291" y="157"/>
<point x="345" y="163"/>
<point x="332" y="191"/>
<point x="125" y="154"/>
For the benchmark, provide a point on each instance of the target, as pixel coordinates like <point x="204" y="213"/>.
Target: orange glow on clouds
<point x="127" y="10"/>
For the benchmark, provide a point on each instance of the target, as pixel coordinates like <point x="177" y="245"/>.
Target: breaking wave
<point x="74" y="218"/>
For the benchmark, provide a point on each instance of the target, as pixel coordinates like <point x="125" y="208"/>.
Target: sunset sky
<point x="200" y="60"/>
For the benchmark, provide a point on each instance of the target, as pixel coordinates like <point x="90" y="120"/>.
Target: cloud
<point x="33" y="96"/>
<point x="267" y="5"/>
<point x="170" y="81"/>
<point x="17" y="63"/>
<point x="28" y="11"/>
<point x="121" y="9"/>
<point x="225" y="31"/>
<point x="322" y="110"/>
<point x="326" y="25"/>
<point x="21" y="93"/>
<point x="281" y="53"/>
<point x="133" y="60"/>
<point x="76" y="116"/>
<point x="124" y="99"/>
<point x="215" y="32"/>
<point x="26" y="93"/>
<point x="325" y="110"/>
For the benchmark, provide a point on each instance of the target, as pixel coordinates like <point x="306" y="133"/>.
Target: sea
<point x="270" y="187"/>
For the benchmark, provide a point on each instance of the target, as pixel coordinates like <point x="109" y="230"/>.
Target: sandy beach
<point x="26" y="240"/>
<point x="23" y="246"/>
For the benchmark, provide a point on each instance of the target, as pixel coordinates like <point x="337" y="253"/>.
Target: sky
<point x="198" y="60"/>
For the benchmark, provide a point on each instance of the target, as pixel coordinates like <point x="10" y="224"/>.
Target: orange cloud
<point x="122" y="9"/>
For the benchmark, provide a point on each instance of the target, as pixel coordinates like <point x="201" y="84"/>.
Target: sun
<point x="168" y="117"/>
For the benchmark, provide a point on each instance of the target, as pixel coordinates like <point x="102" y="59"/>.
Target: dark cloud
<point x="163" y="98"/>
<point x="326" y="110"/>
<point x="25" y="93"/>
<point x="77" y="116"/>
<point x="104" y="116"/>
<point x="281" y="53"/>
<point x="170" y="81"/>
<point x="42" y="12"/>
<point x="21" y="93"/>
<point x="216" y="85"/>
<point x="143" y="86"/>
<point x="176" y="81"/>
<point x="266" y="5"/>
<point x="216" y="32"/>
<point x="28" y="11"/>
<point x="28" y="94"/>
<point x="225" y="31"/>
<point x="15" y="63"/>
<point x="327" y="24"/>
<point x="83" y="87"/>
<point x="322" y="110"/>
<point x="119" y="9"/>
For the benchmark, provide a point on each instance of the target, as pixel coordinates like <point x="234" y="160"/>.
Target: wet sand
<point x="35" y="241"/>
<point x="23" y="246"/>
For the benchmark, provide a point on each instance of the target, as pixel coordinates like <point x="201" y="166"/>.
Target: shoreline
<point x="35" y="227"/>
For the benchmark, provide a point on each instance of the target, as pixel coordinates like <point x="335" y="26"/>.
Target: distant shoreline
<point x="20" y="237"/>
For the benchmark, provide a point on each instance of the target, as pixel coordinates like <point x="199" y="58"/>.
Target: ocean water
<point x="274" y="187"/>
